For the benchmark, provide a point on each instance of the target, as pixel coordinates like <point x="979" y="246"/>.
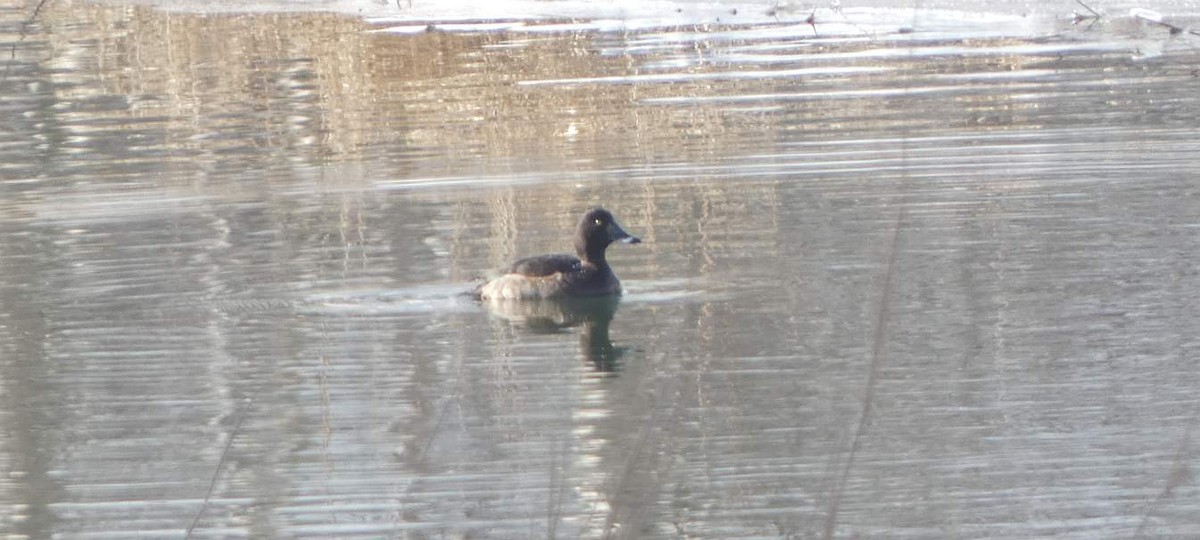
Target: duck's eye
<point x="598" y="221"/>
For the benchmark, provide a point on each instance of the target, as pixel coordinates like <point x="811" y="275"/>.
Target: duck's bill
<point x="628" y="239"/>
<point x="619" y="235"/>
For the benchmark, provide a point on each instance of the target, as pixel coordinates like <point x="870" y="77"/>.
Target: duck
<point x="585" y="274"/>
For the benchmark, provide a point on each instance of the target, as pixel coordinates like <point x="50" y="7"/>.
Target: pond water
<point x="912" y="272"/>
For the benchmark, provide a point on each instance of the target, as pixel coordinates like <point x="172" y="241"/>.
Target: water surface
<point x="905" y="273"/>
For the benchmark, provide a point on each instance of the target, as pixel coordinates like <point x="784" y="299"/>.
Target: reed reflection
<point x="592" y="314"/>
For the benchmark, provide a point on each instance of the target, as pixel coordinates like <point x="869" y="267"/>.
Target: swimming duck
<point x="556" y="276"/>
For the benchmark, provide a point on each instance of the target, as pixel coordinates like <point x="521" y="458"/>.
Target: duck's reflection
<point x="593" y="314"/>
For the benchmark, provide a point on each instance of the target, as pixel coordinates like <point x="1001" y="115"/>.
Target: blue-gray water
<point x="905" y="273"/>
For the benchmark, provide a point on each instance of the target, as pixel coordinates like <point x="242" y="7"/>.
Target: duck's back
<point x="544" y="265"/>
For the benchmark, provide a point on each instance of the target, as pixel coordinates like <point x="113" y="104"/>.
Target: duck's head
<point x="597" y="229"/>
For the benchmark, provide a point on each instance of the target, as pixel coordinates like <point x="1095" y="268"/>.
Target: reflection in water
<point x="593" y="314"/>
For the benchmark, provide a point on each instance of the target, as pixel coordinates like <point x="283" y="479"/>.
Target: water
<point x="906" y="273"/>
